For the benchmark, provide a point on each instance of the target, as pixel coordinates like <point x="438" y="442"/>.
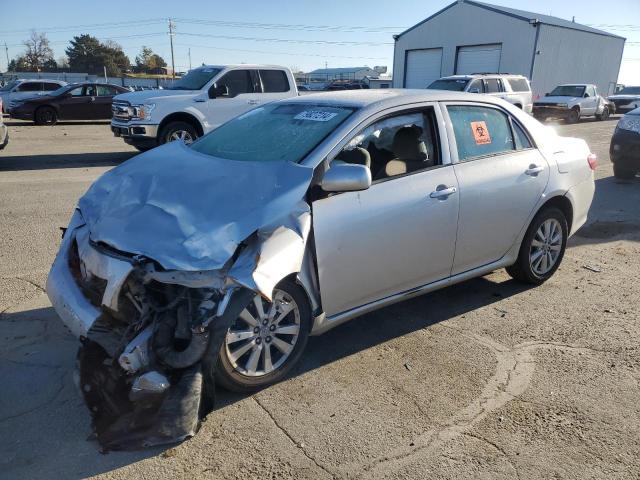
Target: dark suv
<point x="625" y="146"/>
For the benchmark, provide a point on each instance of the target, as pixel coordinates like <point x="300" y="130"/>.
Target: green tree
<point x="149" y="62"/>
<point x="87" y="54"/>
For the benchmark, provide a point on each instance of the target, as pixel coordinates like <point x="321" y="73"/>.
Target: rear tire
<point x="45" y="116"/>
<point x="234" y="371"/>
<point x="542" y="247"/>
<point x="623" y="173"/>
<point x="178" y="131"/>
<point x="604" y="115"/>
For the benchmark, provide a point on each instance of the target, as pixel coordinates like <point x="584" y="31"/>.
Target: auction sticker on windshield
<point x="315" y="115"/>
<point x="480" y="133"/>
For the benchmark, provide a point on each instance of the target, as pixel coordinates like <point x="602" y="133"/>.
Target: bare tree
<point x="39" y="54"/>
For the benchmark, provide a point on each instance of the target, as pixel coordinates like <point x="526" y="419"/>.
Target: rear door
<point x="501" y="177"/>
<point x="397" y="235"/>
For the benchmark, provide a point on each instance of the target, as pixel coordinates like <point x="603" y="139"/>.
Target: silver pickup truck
<point x="571" y="103"/>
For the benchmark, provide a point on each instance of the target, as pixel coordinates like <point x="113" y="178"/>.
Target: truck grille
<point x="121" y="110"/>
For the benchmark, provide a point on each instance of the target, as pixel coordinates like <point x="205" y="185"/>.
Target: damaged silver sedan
<point x="191" y="266"/>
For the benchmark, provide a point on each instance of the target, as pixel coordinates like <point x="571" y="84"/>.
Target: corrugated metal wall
<point x="570" y="56"/>
<point x="466" y="25"/>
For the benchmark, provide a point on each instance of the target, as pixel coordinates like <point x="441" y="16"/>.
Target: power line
<point x="280" y="53"/>
<point x="287" y="40"/>
<point x="295" y="27"/>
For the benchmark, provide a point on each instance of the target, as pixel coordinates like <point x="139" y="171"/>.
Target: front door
<point x="103" y="100"/>
<point x="75" y="104"/>
<point x="242" y="97"/>
<point x="400" y="233"/>
<point x="501" y="178"/>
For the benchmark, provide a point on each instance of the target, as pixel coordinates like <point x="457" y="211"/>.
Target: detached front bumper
<point x="550" y="111"/>
<point x="74" y="307"/>
<point x="625" y="148"/>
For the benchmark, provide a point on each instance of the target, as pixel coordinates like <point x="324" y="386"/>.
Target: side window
<point x="76" y="92"/>
<point x="480" y="131"/>
<point x="591" y="91"/>
<point x="274" y="81"/>
<point x="237" y="81"/>
<point x="522" y="141"/>
<point x="30" y="87"/>
<point x="91" y="91"/>
<point x="106" y="91"/>
<point x="48" y="87"/>
<point x="396" y="145"/>
<point x="519" y="85"/>
<point x="476" y="85"/>
<point x="492" y="85"/>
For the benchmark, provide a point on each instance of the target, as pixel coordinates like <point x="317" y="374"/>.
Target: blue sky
<point x="205" y="27"/>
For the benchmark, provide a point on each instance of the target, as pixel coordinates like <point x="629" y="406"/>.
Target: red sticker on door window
<point x="480" y="133"/>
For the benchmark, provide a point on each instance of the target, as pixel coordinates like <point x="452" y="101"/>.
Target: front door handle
<point x="534" y="170"/>
<point x="443" y="192"/>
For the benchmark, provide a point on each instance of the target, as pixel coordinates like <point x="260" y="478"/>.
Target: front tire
<point x="45" y="116"/>
<point x="574" y="116"/>
<point x="542" y="248"/>
<point x="266" y="340"/>
<point x="178" y="131"/>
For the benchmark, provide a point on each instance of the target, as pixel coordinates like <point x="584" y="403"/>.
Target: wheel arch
<point x="54" y="107"/>
<point x="562" y="203"/>
<point x="181" y="117"/>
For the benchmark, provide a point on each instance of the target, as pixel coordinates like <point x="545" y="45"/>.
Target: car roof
<point x="477" y="75"/>
<point x="23" y="80"/>
<point x="244" y="65"/>
<point x="384" y="97"/>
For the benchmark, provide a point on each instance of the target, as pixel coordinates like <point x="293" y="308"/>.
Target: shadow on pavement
<point x="55" y="161"/>
<point x="45" y="423"/>
<point x="61" y="123"/>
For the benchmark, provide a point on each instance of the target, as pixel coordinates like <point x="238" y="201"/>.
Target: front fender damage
<point x="147" y="364"/>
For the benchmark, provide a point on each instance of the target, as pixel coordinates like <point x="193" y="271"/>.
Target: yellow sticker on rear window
<point x="480" y="133"/>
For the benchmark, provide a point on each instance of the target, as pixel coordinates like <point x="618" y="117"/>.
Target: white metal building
<point x="474" y="37"/>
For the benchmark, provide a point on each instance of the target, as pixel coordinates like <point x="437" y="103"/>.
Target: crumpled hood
<point x="136" y="98"/>
<point x="557" y="99"/>
<point x="186" y="210"/>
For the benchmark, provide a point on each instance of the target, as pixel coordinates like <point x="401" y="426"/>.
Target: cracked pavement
<point x="486" y="379"/>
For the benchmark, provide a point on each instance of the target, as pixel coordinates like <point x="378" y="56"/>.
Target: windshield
<point x="629" y="91"/>
<point x="451" y="84"/>
<point x="273" y="133"/>
<point x="9" y="86"/>
<point x="61" y="90"/>
<point x="568" y="91"/>
<point x="195" y="79"/>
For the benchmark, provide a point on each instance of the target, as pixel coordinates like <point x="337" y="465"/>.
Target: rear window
<point x="454" y="85"/>
<point x="519" y="84"/>
<point x="275" y="132"/>
<point x="274" y="81"/>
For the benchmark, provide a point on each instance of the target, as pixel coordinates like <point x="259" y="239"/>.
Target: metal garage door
<point x="479" y="59"/>
<point x="423" y="67"/>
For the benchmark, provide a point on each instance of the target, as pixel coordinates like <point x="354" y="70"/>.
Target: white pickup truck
<point x="200" y="101"/>
<point x="572" y="102"/>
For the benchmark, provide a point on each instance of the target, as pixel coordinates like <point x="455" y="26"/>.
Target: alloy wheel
<point x="181" y="135"/>
<point x="546" y="247"/>
<point x="264" y="335"/>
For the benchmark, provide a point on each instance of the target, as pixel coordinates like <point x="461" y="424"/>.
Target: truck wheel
<point x="45" y="116"/>
<point x="178" y="131"/>
<point x="574" y="116"/>
<point x="604" y="115"/>
<point x="623" y="173"/>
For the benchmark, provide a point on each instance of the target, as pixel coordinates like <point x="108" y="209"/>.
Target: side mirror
<point x="586" y="95"/>
<point x="474" y="90"/>
<point x="547" y="94"/>
<point x="346" y="177"/>
<point x="217" y="91"/>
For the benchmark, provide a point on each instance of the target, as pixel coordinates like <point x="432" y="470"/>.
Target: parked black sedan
<point x="77" y="101"/>
<point x="625" y="146"/>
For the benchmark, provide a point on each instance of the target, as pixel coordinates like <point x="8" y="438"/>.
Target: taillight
<point x="592" y="159"/>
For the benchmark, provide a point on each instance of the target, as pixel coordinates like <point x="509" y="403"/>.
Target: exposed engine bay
<point x="150" y="279"/>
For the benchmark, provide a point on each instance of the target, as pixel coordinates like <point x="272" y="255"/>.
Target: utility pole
<point x="189" y="59"/>
<point x="171" y="34"/>
<point x="6" y="50"/>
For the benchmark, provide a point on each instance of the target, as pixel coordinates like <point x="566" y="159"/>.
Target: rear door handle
<point x="443" y="192"/>
<point x="534" y="170"/>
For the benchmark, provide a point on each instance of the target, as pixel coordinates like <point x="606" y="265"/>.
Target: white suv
<point x="200" y="101"/>
<point x="514" y="89"/>
<point x="19" y="90"/>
